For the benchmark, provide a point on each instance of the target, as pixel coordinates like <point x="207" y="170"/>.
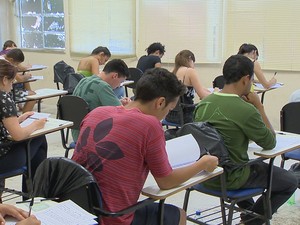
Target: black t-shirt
<point x="147" y="62"/>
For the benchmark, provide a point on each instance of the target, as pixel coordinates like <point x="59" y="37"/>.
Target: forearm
<point x="265" y="118"/>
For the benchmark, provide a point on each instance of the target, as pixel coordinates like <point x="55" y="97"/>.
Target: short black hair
<point x="118" y="66"/>
<point x="159" y="82"/>
<point x="100" y="49"/>
<point x="236" y="67"/>
<point x="16" y="54"/>
<point x="9" y="43"/>
<point x="154" y="47"/>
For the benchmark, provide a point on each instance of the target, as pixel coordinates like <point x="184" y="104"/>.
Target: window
<point x="109" y="23"/>
<point x="190" y="24"/>
<point x="42" y="24"/>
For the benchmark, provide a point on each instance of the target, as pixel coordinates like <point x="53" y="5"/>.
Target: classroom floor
<point x="287" y="214"/>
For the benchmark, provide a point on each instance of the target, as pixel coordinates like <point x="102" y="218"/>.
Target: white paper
<point x="260" y="86"/>
<point x="37" y="77"/>
<point x="35" y="116"/>
<point x="182" y="151"/>
<point x="64" y="213"/>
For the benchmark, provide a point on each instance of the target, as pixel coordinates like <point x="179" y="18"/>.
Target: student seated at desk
<point x="185" y="71"/>
<point x="239" y="116"/>
<point x="251" y="52"/>
<point x="7" y="46"/>
<point x="13" y="154"/>
<point x="97" y="90"/>
<point x="19" y="214"/>
<point x="16" y="57"/>
<point x="121" y="144"/>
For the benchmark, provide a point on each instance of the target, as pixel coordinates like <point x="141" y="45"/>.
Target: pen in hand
<point x="275" y="74"/>
<point x="30" y="206"/>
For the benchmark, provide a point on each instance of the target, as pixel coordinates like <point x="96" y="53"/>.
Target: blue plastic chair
<point x="289" y="122"/>
<point x="228" y="201"/>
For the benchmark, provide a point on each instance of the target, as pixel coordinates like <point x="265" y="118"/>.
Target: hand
<point x="253" y="98"/>
<point x="273" y="81"/>
<point x="32" y="220"/>
<point x="10" y="210"/>
<point x="24" y="116"/>
<point x="125" y="101"/>
<point x="210" y="162"/>
<point x="40" y="123"/>
<point x="27" y="76"/>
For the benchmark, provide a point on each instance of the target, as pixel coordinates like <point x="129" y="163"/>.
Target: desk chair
<point x="175" y="117"/>
<point x="219" y="82"/>
<point x="71" y="81"/>
<point x="71" y="108"/>
<point x="289" y="122"/>
<point x="62" y="178"/>
<point x="229" y="211"/>
<point x="61" y="69"/>
<point x="134" y="74"/>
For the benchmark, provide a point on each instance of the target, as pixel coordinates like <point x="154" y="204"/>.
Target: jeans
<point x="16" y="157"/>
<point x="284" y="184"/>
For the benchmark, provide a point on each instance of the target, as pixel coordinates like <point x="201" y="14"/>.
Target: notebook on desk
<point x="261" y="87"/>
<point x="182" y="151"/>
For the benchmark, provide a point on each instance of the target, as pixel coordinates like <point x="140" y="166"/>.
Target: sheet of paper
<point x="35" y="116"/>
<point x="37" y="77"/>
<point x="64" y="213"/>
<point x="260" y="86"/>
<point x="182" y="151"/>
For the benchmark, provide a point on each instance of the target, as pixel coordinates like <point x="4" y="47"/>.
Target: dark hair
<point x="9" y="43"/>
<point x="247" y="48"/>
<point x="7" y="70"/>
<point x="236" y="67"/>
<point x="16" y="55"/>
<point x="118" y="66"/>
<point x="182" y="59"/>
<point x="100" y="49"/>
<point x="154" y="47"/>
<point x="158" y="82"/>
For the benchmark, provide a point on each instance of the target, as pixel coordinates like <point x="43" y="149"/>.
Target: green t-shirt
<point x="95" y="92"/>
<point x="238" y="122"/>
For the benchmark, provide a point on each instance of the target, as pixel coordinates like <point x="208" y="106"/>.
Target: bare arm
<point x="261" y="77"/>
<point x="157" y="65"/>
<point x="12" y="124"/>
<point x="95" y="66"/>
<point x="195" y="82"/>
<point x="180" y="175"/>
<point x="254" y="100"/>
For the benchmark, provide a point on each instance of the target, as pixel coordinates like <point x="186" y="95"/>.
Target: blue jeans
<point x="16" y="157"/>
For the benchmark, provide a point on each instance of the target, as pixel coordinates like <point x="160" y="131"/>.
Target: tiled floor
<point x="197" y="201"/>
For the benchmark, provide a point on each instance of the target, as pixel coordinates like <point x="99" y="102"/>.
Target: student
<point x="19" y="214"/>
<point x="155" y="52"/>
<point x="97" y="90"/>
<point x="120" y="145"/>
<point x="185" y="71"/>
<point x="251" y="52"/>
<point x="16" y="57"/>
<point x="239" y="116"/>
<point x="13" y="154"/>
<point x="89" y="65"/>
<point x="7" y="46"/>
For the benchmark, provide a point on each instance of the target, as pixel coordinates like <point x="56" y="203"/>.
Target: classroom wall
<point x="274" y="100"/>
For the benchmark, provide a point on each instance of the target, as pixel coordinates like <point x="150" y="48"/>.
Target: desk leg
<point x="161" y="212"/>
<point x="29" y="184"/>
<point x="269" y="188"/>
<point x="262" y="97"/>
<point x="39" y="105"/>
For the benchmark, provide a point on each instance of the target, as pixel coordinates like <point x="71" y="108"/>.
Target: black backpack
<point x="61" y="71"/>
<point x="209" y="141"/>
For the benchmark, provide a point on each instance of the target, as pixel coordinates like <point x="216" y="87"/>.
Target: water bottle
<point x="292" y="200"/>
<point x="197" y="215"/>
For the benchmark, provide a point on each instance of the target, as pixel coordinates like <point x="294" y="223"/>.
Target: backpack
<point x="208" y="138"/>
<point x="61" y="70"/>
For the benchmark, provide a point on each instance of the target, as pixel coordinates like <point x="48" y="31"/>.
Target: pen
<point x="30" y="206"/>
<point x="275" y="74"/>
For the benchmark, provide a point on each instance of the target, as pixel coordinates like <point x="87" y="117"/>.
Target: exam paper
<point x="182" y="151"/>
<point x="35" y="116"/>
